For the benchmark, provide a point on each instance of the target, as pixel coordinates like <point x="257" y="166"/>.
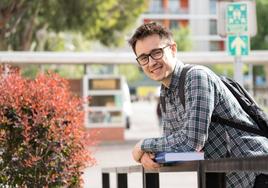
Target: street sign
<point x="222" y="17"/>
<point x="238" y="45"/>
<point x="237" y="18"/>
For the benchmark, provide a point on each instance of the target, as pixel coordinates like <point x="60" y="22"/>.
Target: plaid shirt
<point x="190" y="129"/>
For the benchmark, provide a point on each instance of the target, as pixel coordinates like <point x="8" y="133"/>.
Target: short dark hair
<point x="149" y="29"/>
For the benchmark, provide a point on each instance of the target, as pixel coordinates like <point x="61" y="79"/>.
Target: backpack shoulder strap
<point x="182" y="78"/>
<point x="182" y="83"/>
<point x="240" y="126"/>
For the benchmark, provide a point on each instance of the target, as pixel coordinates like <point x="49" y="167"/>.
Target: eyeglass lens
<point x="155" y="54"/>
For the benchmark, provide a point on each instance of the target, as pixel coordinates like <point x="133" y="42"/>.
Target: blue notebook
<point x="171" y="157"/>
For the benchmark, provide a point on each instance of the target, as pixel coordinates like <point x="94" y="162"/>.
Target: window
<point x="214" y="46"/>
<point x="174" y="24"/>
<point x="156" y="6"/>
<point x="213" y="27"/>
<point x="174" y="6"/>
<point x="212" y="6"/>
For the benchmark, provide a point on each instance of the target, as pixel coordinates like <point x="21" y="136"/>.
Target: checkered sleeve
<point x="199" y="105"/>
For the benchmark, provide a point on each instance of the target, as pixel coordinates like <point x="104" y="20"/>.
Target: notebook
<point x="169" y="157"/>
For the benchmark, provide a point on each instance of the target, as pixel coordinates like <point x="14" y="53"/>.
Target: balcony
<point x="181" y="14"/>
<point x="167" y="11"/>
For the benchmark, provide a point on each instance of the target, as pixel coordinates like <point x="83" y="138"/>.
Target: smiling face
<point x="161" y="69"/>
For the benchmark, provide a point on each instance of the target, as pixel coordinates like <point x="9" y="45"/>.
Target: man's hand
<point x="137" y="152"/>
<point x="148" y="163"/>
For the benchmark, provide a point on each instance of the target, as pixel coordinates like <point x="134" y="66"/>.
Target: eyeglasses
<point x="155" y="54"/>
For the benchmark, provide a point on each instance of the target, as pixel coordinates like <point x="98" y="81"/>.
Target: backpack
<point x="245" y="101"/>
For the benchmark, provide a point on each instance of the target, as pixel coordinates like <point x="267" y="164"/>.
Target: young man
<point x="190" y="128"/>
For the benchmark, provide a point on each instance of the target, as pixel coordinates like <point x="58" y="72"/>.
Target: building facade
<point x="200" y="16"/>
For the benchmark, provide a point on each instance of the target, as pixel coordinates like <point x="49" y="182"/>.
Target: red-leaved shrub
<point x="42" y="136"/>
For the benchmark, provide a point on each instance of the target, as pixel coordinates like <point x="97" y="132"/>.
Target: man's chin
<point x="158" y="79"/>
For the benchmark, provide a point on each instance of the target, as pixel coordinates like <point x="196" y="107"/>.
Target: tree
<point x="105" y="21"/>
<point x="131" y="72"/>
<point x="260" y="41"/>
<point x="182" y="38"/>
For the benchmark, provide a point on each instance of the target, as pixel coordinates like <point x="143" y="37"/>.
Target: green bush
<point x="42" y="136"/>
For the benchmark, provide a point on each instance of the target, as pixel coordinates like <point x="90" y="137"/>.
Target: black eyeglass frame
<point x="150" y="55"/>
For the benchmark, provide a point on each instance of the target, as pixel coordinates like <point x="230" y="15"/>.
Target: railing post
<point x="105" y="180"/>
<point x="215" y="180"/>
<point x="121" y="180"/>
<point x="150" y="180"/>
<point x="200" y="175"/>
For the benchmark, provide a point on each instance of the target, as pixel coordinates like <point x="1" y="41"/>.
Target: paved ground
<point x="119" y="154"/>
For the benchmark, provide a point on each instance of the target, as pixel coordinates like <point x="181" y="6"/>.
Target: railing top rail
<point x="255" y="57"/>
<point x="257" y="163"/>
<point x="123" y="169"/>
<point x="188" y="166"/>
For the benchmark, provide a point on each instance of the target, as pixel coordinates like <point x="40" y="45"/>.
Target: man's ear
<point x="174" y="49"/>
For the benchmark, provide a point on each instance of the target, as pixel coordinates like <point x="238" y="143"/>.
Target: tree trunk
<point x="27" y="36"/>
<point x="28" y="33"/>
<point x="3" y="45"/>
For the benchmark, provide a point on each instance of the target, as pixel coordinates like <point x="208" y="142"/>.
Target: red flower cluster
<point x="42" y="136"/>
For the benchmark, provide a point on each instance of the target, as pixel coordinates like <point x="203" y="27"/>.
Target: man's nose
<point x="151" y="61"/>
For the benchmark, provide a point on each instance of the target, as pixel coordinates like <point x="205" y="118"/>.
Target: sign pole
<point x="251" y="91"/>
<point x="238" y="70"/>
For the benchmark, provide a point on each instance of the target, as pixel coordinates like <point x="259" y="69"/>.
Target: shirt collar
<point x="175" y="75"/>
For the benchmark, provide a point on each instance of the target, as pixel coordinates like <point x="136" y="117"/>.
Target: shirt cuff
<point x="149" y="145"/>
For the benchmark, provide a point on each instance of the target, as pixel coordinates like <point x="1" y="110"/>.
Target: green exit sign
<point x="237" y="18"/>
<point x="238" y="45"/>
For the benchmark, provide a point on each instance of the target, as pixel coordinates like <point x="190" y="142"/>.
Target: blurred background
<point x="85" y="41"/>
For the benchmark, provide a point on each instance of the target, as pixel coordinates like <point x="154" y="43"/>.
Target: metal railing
<point x="210" y="173"/>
